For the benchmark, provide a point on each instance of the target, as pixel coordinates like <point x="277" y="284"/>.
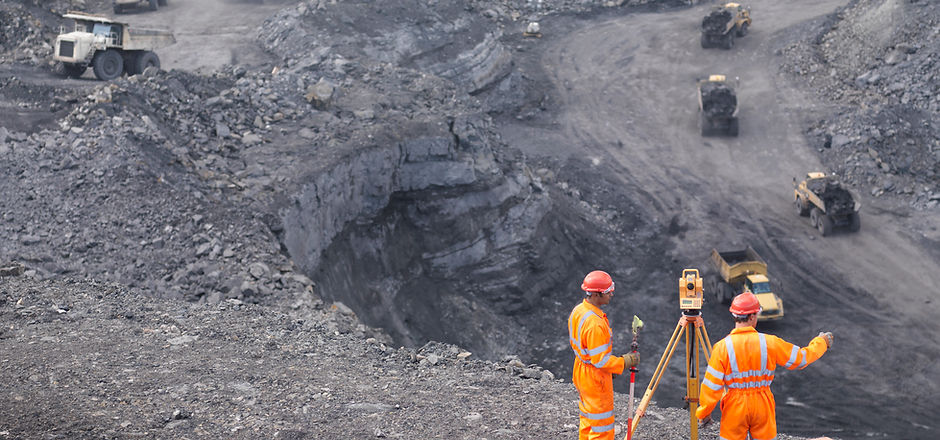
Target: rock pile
<point x="21" y="39"/>
<point x="174" y="241"/>
<point x="835" y="197"/>
<point x="716" y="22"/>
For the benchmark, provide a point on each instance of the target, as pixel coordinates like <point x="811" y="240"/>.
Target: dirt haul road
<point x="625" y="95"/>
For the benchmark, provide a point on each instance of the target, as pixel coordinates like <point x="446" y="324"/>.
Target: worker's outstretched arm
<point x="599" y="348"/>
<point x="792" y="357"/>
<point x="713" y="383"/>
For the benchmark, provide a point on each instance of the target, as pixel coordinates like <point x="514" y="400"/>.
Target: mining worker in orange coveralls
<point x="590" y="335"/>
<point x="743" y="363"/>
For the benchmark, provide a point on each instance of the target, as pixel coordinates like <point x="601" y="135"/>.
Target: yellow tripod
<point x="692" y="326"/>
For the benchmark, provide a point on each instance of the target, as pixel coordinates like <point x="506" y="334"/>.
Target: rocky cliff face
<point x="408" y="226"/>
<point x="398" y="229"/>
<point x="359" y="185"/>
<point x="426" y="224"/>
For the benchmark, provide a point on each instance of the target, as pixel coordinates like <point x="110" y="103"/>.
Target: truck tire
<point x="742" y="31"/>
<point x="162" y="2"/>
<point x="144" y="60"/>
<point x="802" y="209"/>
<point x="733" y="127"/>
<point x="729" y="40"/>
<point x="108" y="65"/>
<point x="814" y="217"/>
<point x="855" y="222"/>
<point x="153" y="5"/>
<point x="74" y="70"/>
<point x="825" y="225"/>
<point x="705" y="42"/>
<point x="706" y="126"/>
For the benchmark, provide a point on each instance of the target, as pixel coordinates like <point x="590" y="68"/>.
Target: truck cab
<point x="770" y="303"/>
<point x="90" y="34"/>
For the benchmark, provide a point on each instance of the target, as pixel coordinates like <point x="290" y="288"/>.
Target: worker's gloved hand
<point x="704" y="422"/>
<point x="631" y="359"/>
<point x="828" y="337"/>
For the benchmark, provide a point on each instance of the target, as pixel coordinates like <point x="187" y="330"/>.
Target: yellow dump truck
<point x="724" y="23"/>
<point x="109" y="47"/>
<point x="827" y="202"/>
<point x="718" y="106"/>
<point x="733" y="272"/>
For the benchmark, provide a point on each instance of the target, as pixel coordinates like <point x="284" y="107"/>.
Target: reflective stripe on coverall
<point x="590" y="336"/>
<point x="744" y="363"/>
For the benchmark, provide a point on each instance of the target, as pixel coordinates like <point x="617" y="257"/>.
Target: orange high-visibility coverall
<point x="590" y="335"/>
<point x="743" y="363"/>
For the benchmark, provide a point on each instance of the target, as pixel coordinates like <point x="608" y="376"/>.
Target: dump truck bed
<point x="733" y="266"/>
<point x="717" y="22"/>
<point x="148" y="39"/>
<point x="717" y="99"/>
<point x="834" y="198"/>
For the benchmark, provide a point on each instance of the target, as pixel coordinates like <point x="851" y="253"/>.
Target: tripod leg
<point x="691" y="377"/>
<point x="703" y="343"/>
<point x="671" y="344"/>
<point x="707" y="343"/>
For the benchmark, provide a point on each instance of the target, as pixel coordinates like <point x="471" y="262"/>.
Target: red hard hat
<point x="598" y="281"/>
<point x="745" y="304"/>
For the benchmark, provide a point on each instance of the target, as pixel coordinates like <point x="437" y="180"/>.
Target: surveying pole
<point x="634" y="347"/>
<point x="692" y="327"/>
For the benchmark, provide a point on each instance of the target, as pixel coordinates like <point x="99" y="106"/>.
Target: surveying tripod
<point x="692" y="326"/>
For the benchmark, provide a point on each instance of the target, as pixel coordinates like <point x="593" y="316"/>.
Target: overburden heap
<point x="716" y="22"/>
<point x="718" y="99"/>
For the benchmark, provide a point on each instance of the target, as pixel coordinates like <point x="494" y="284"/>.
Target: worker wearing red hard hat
<point x="594" y="364"/>
<point x="743" y="363"/>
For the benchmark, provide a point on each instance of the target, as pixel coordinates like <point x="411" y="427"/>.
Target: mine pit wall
<point x="429" y="239"/>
